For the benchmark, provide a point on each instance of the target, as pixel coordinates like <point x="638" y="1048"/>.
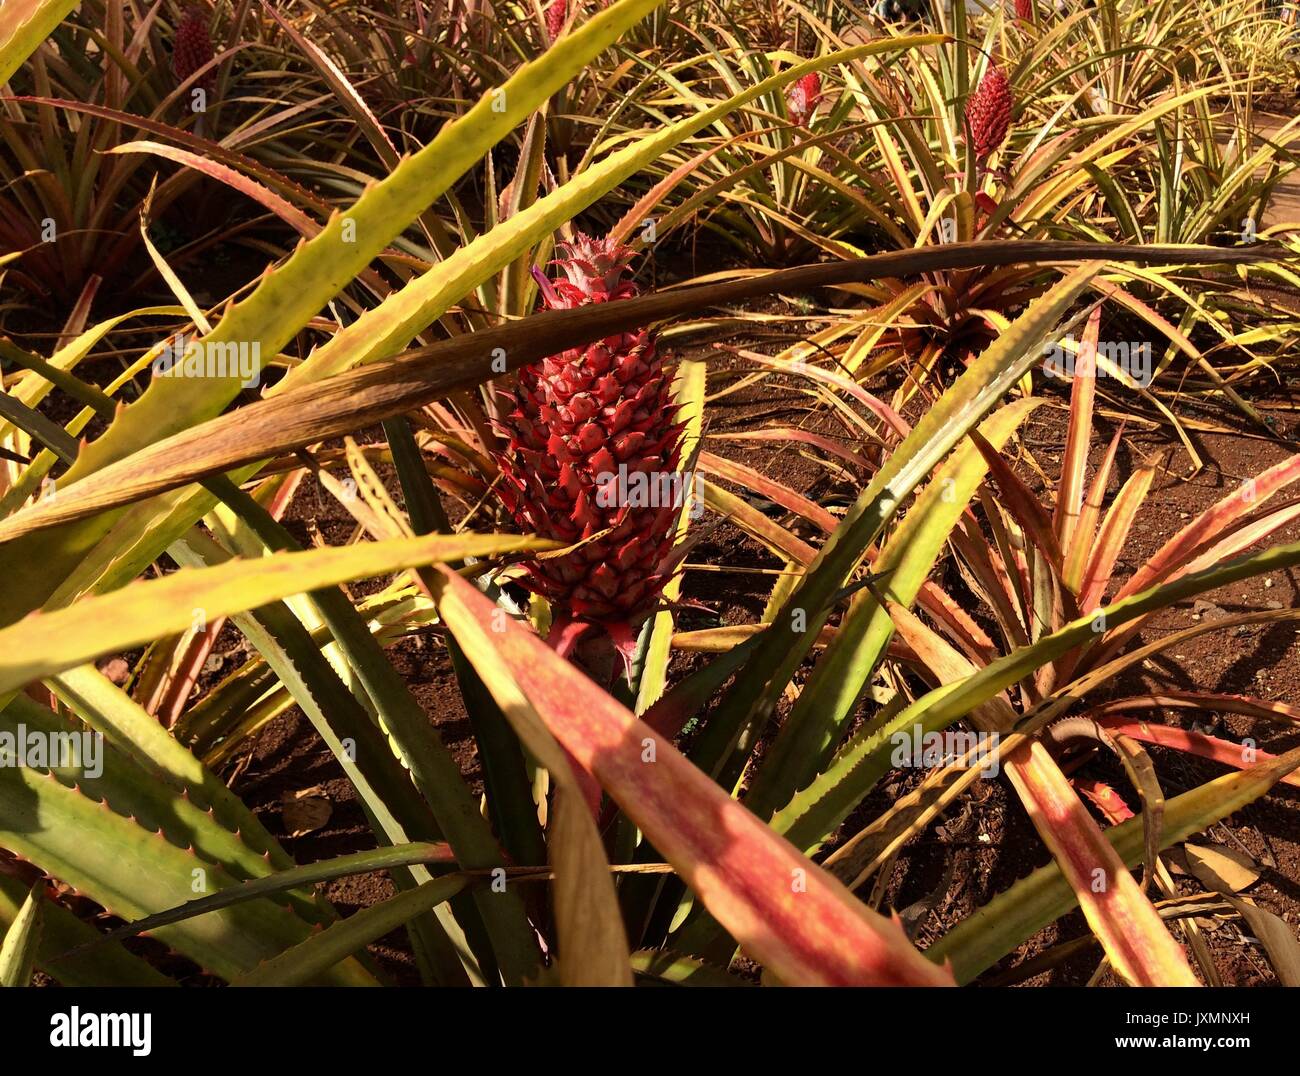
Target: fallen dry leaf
<point x="1224" y="869"/>
<point x="305" y="811"/>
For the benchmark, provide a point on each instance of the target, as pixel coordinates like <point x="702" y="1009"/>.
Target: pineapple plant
<point x="583" y="428"/>
<point x="728" y="816"/>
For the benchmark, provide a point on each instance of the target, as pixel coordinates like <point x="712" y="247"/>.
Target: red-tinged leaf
<point x="345" y="93"/>
<point x="878" y="407"/>
<point x="1171" y="559"/>
<point x="1131" y="931"/>
<point x="1020" y="501"/>
<point x="991" y="579"/>
<point x="956" y="623"/>
<point x="1202" y="700"/>
<point x="1013" y="915"/>
<point x="1102" y="796"/>
<point x="753" y="522"/>
<point x="946" y="665"/>
<point x="1238" y="756"/>
<point x="1242" y="538"/>
<point x="291" y="215"/>
<point x="1134" y="936"/>
<point x="202" y="146"/>
<point x="759" y="483"/>
<point x="634" y="219"/>
<point x="1078" y="551"/>
<point x="1074" y="464"/>
<point x="1194" y="547"/>
<point x="593" y="948"/>
<point x="787" y="913"/>
<point x="722" y="640"/>
<point x="1114" y="533"/>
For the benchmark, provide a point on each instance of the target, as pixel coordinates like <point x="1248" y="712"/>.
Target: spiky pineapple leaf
<point x="431" y="765"/>
<point x="843" y="672"/>
<point x="46" y="643"/>
<point x="136" y="792"/>
<point x="109" y="710"/>
<point x="133" y="871"/>
<point x="108" y="965"/>
<point x="394" y="808"/>
<point x="26" y="24"/>
<point x="326" y="870"/>
<point x="22" y="939"/>
<point x="316" y="955"/>
<point x="1044" y="896"/>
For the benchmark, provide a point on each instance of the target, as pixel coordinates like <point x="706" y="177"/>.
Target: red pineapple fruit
<point x="1025" y="10"/>
<point x="583" y="425"/>
<point x="802" y="100"/>
<point x="988" y="111"/>
<point x="555" y="16"/>
<point x="193" y="46"/>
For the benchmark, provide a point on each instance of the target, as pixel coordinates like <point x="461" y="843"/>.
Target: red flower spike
<point x="556" y="15"/>
<point x="192" y="48"/>
<point x="988" y="112"/>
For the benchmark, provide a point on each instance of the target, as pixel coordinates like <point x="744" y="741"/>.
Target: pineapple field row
<point x="649" y="492"/>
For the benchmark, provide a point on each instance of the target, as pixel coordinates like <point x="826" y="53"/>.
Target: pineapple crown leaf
<point x="595" y="271"/>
